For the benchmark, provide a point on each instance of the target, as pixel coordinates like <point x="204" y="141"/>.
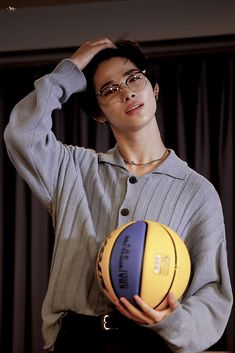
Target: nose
<point x="126" y="92"/>
<point x="127" y="95"/>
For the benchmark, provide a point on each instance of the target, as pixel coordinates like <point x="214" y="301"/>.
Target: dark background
<point x="196" y="117"/>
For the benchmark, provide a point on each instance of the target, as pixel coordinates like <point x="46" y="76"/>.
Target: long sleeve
<point x="31" y="144"/>
<point x="202" y="316"/>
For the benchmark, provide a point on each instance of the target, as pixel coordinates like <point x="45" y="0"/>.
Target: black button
<point x="125" y="212"/>
<point x="132" y="180"/>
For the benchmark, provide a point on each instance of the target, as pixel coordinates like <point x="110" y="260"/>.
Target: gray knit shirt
<point x="85" y="193"/>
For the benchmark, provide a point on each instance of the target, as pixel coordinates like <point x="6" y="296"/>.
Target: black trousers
<point x="82" y="334"/>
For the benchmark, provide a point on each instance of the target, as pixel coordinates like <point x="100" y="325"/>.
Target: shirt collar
<point x="172" y="166"/>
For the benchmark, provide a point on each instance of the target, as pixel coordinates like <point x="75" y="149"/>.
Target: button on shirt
<point x="124" y="211"/>
<point x="132" y="180"/>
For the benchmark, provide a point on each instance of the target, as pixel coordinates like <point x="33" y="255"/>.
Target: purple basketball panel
<point x="126" y="260"/>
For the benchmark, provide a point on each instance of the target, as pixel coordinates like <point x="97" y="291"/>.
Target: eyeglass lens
<point x="135" y="82"/>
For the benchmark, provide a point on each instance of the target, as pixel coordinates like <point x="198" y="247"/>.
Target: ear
<point x="100" y="119"/>
<point x="156" y="91"/>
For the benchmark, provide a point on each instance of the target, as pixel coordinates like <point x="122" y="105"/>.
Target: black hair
<point x="124" y="48"/>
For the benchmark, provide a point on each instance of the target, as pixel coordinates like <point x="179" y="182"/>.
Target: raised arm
<point x="31" y="145"/>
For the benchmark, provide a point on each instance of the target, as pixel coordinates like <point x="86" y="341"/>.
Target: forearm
<point x="31" y="120"/>
<point x="200" y="320"/>
<point x="30" y="142"/>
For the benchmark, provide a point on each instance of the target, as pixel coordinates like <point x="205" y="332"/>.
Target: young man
<point x="89" y="194"/>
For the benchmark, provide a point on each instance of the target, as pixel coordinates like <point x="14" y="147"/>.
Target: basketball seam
<point x="174" y="270"/>
<point x="142" y="260"/>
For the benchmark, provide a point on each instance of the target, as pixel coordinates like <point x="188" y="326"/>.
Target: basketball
<point x="145" y="258"/>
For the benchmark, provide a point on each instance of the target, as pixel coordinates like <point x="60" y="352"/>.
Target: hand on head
<point x="88" y="50"/>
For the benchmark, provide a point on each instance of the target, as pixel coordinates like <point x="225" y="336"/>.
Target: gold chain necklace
<point x="141" y="164"/>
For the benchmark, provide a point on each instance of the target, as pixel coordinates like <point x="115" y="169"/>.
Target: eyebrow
<point x="127" y="73"/>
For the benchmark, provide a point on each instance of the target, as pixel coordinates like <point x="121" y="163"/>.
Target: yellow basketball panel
<point x="158" y="264"/>
<point x="183" y="265"/>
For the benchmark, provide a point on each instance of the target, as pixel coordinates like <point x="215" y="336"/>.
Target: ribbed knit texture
<point x="85" y="193"/>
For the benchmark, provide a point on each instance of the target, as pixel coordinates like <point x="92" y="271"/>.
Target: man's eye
<point x="110" y="90"/>
<point x="135" y="77"/>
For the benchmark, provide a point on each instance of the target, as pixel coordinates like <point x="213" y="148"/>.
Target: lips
<point x="134" y="107"/>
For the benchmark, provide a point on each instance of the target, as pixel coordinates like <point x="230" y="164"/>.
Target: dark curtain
<point x="196" y="117"/>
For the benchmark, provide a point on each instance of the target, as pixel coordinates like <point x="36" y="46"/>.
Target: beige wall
<point x="146" y="20"/>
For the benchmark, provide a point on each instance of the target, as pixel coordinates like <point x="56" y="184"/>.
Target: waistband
<point x="110" y="329"/>
<point x="110" y="322"/>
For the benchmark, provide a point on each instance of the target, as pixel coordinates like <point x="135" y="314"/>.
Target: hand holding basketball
<point x="145" y="314"/>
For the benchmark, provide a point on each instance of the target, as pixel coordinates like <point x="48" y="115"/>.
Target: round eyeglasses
<point x="135" y="82"/>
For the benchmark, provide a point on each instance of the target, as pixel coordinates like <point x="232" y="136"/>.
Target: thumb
<point x="172" y="302"/>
